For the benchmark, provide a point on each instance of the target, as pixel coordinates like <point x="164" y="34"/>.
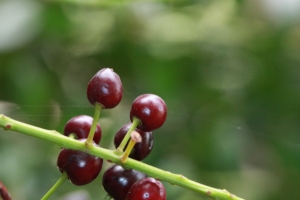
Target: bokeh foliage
<point x="229" y="72"/>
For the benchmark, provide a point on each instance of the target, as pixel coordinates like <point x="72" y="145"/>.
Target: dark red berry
<point x="81" y="168"/>
<point x="148" y="189"/>
<point x="140" y="150"/>
<point x="80" y="126"/>
<point x="105" y="88"/>
<point x="117" y="181"/>
<point x="4" y="194"/>
<point x="151" y="110"/>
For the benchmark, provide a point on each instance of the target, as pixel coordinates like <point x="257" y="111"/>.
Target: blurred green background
<point x="229" y="72"/>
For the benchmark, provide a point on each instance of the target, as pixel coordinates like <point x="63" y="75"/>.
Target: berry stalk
<point x="176" y="179"/>
<point x="135" y="137"/>
<point x="60" y="181"/>
<point x="135" y="123"/>
<point x="89" y="141"/>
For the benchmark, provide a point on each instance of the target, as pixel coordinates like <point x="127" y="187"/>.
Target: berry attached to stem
<point x="147" y="189"/>
<point x="105" y="88"/>
<point x="135" y="123"/>
<point x="89" y="141"/>
<point x="80" y="127"/>
<point x="117" y="181"/>
<point x="81" y="167"/>
<point x="151" y="110"/>
<point x="141" y="150"/>
<point x="60" y="181"/>
<point x="135" y="138"/>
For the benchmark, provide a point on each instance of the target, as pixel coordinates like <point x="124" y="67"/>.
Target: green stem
<point x="135" y="123"/>
<point x="89" y="140"/>
<point x="60" y="181"/>
<point x="127" y="151"/>
<point x="107" y="197"/>
<point x="114" y="156"/>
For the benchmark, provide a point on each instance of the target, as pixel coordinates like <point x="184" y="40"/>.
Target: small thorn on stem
<point x="135" y="137"/>
<point x="181" y="176"/>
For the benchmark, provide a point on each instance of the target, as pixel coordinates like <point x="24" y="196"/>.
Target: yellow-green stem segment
<point x="89" y="140"/>
<point x="127" y="151"/>
<point x="135" y="123"/>
<point x="114" y="156"/>
<point x="107" y="197"/>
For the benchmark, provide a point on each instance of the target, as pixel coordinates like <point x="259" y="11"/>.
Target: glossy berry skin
<point x="140" y="150"/>
<point x="105" y="88"/>
<point x="151" y="110"/>
<point x="80" y="126"/>
<point x="117" y="181"/>
<point x="81" y="168"/>
<point x="147" y="189"/>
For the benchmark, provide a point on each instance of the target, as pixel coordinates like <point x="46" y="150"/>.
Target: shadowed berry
<point x="81" y="168"/>
<point x="147" y="189"/>
<point x="117" y="181"/>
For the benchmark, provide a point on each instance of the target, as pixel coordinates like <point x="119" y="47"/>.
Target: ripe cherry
<point x="105" y="88"/>
<point x="80" y="126"/>
<point x="81" y="168"/>
<point x="117" y="181"/>
<point x="148" y="189"/>
<point x="151" y="110"/>
<point x="140" y="150"/>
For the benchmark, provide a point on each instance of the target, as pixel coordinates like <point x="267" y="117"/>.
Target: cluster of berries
<point x="135" y="140"/>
